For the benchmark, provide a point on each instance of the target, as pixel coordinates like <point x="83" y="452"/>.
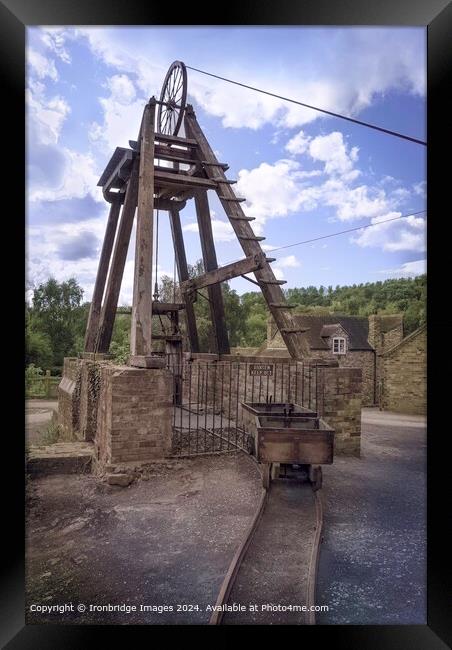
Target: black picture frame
<point x="436" y="16"/>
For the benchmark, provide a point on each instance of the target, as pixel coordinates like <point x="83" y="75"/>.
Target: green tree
<point x="55" y="314"/>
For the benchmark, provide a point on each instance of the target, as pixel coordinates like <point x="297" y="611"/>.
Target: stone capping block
<point x="69" y="397"/>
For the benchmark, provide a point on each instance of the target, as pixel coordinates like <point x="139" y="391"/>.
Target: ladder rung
<point x="251" y="238"/>
<point x="281" y="305"/>
<point x="273" y="281"/>
<point x="235" y="200"/>
<point x="234" y="218"/>
<point x="224" y="180"/>
<point x="270" y="259"/>
<point x="223" y="166"/>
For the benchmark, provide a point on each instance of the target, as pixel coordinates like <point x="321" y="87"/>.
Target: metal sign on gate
<point x="261" y="370"/>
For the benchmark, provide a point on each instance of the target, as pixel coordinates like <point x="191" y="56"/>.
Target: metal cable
<point x="315" y="108"/>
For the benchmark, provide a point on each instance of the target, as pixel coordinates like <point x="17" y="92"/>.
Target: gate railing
<point x="207" y="396"/>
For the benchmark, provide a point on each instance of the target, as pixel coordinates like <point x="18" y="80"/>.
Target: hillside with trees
<point x="56" y="318"/>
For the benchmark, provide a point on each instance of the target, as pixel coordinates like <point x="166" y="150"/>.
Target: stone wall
<point x="404" y="375"/>
<point x="134" y="414"/>
<point x="340" y="405"/>
<point x="69" y="397"/>
<point x="364" y="359"/>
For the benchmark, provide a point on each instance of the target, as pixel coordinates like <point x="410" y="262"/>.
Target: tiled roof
<point x="357" y="328"/>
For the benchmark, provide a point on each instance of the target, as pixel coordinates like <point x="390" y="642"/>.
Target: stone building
<point x="353" y="341"/>
<point x="403" y="386"/>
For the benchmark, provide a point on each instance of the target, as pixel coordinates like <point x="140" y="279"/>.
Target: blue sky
<point x="303" y="174"/>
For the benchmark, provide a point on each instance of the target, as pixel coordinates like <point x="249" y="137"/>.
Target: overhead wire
<point x="376" y="127"/>
<point x="335" y="234"/>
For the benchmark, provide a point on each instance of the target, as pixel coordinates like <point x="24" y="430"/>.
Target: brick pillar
<point x="134" y="414"/>
<point x="340" y="405"/>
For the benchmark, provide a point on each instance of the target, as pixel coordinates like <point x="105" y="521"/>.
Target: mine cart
<point x="289" y="445"/>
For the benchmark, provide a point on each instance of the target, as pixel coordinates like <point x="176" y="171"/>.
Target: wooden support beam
<point x="224" y="273"/>
<point x="207" y="163"/>
<point x="168" y="337"/>
<point x="226" y="182"/>
<point x="121" y="172"/>
<point x="101" y="278"/>
<point x="113" y="288"/>
<point x="296" y="342"/>
<point x="232" y="199"/>
<point x="170" y="139"/>
<point x="182" y="180"/>
<point x="167" y="204"/>
<point x="211" y="264"/>
<point x="166" y="307"/>
<point x="158" y="307"/>
<point x="182" y="272"/>
<point x="141" y="327"/>
<point x="111" y="197"/>
<point x="174" y="139"/>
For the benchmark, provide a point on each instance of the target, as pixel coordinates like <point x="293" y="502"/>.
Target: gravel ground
<point x="165" y="541"/>
<point x="372" y="566"/>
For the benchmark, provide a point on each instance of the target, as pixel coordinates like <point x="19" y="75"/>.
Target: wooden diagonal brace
<point x="224" y="273"/>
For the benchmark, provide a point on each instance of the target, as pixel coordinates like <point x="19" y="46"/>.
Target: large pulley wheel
<point x="173" y="99"/>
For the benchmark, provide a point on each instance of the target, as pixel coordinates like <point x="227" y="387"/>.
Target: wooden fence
<point x="42" y="387"/>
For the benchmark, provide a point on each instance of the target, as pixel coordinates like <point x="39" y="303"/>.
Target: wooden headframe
<point x="134" y="178"/>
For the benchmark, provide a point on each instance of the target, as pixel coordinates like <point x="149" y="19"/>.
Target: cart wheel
<point x="315" y="476"/>
<point x="266" y="475"/>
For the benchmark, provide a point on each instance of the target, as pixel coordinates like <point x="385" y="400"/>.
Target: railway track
<point x="273" y="572"/>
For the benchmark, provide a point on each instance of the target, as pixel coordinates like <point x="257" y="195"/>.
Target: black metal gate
<point x="207" y="397"/>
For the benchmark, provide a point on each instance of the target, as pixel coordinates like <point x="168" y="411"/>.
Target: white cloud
<point x="275" y="190"/>
<point x="334" y="152"/>
<point x="371" y="62"/>
<point x="299" y="143"/>
<point x="54" y="38"/>
<point x="121" y="88"/>
<point x="278" y="272"/>
<point x="330" y="149"/>
<point x="354" y="203"/>
<point x="290" y="261"/>
<point x="77" y="174"/>
<point x="41" y="66"/>
<point x="45" y="116"/>
<point x="420" y="189"/>
<point x="409" y="269"/>
<point x="79" y="178"/>
<point x="122" y="113"/>
<point x="407" y="234"/>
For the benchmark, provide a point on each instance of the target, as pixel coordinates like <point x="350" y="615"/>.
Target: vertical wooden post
<point x="182" y="271"/>
<point x="210" y="264"/>
<point x="99" y="287"/>
<point x="141" y="331"/>
<point x="47" y="382"/>
<point x="107" y="317"/>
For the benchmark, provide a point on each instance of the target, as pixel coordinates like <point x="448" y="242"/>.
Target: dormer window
<point x="339" y="345"/>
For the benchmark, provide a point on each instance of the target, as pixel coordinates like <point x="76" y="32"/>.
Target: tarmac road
<point x="372" y="567"/>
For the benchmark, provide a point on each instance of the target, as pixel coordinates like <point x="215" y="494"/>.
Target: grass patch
<point x="54" y="433"/>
